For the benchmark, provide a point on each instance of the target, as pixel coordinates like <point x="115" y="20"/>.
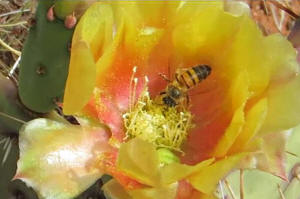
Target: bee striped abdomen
<point x="202" y="71"/>
<point x="192" y="76"/>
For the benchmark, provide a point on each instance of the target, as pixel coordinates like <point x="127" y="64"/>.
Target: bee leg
<point x="164" y="77"/>
<point x="170" y="69"/>
<point x="187" y="100"/>
<point x="184" y="101"/>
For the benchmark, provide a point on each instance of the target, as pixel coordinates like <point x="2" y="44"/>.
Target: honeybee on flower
<point x="176" y="91"/>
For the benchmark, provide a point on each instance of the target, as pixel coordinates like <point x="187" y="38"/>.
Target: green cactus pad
<point x="44" y="63"/>
<point x="257" y="184"/>
<point x="11" y="111"/>
<point x="264" y="185"/>
<point x="12" y="188"/>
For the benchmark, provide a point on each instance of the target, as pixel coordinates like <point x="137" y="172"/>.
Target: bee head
<point x="170" y="102"/>
<point x="174" y="92"/>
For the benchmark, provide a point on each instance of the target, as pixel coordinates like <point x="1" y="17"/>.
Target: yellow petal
<point x="247" y="53"/>
<point x="197" y="40"/>
<point x="284" y="66"/>
<point x="92" y="35"/>
<point x="106" y="60"/>
<point x="152" y="12"/>
<point x="175" y="171"/>
<point x="141" y="12"/>
<point x="206" y="179"/>
<point x="128" y="13"/>
<point x="168" y="192"/>
<point x="112" y="189"/>
<point x="237" y="8"/>
<point x="267" y="59"/>
<point x="81" y="79"/>
<point x="141" y="22"/>
<point x="283" y="107"/>
<point x="254" y="120"/>
<point x="146" y="39"/>
<point x="231" y="133"/>
<point x="239" y="94"/>
<point x="139" y="160"/>
<point x="95" y="28"/>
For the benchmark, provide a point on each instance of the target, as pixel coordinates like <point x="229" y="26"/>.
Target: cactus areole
<point x="45" y="60"/>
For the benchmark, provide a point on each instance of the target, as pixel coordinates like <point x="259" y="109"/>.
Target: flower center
<point x="156" y="123"/>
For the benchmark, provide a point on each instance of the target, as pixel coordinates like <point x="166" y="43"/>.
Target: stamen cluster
<point x="161" y="125"/>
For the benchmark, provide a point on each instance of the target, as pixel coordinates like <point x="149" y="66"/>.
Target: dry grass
<point x="271" y="17"/>
<point x="14" y="17"/>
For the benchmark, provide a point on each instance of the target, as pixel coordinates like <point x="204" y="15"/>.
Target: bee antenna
<point x="164" y="77"/>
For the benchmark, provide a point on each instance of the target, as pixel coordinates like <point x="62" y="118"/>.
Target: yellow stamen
<point x="130" y="87"/>
<point x="161" y="125"/>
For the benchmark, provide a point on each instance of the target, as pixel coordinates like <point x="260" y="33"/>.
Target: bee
<point x="176" y="91"/>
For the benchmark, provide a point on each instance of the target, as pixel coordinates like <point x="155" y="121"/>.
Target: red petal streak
<point x="186" y="191"/>
<point x="212" y="115"/>
<point x="202" y="140"/>
<point x="274" y="154"/>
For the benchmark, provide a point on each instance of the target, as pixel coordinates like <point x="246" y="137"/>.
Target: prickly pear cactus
<point x="44" y="63"/>
<point x="12" y="117"/>
<point x="12" y="114"/>
<point x="258" y="184"/>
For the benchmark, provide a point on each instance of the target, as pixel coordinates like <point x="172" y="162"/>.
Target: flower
<point x="237" y="114"/>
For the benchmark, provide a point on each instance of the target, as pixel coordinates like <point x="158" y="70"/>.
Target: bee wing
<point x="198" y="90"/>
